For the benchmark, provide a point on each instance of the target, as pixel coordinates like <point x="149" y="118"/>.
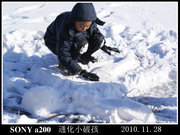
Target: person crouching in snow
<point x="70" y="33"/>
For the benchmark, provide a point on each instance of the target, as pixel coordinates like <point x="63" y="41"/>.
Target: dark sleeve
<point x="94" y="29"/>
<point x="65" y="58"/>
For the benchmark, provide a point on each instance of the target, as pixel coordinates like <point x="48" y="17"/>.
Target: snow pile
<point x="36" y="100"/>
<point x="25" y="120"/>
<point x="140" y="78"/>
<point x="99" y="100"/>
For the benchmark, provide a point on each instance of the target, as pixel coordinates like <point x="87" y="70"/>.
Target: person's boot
<point x="62" y="68"/>
<point x="85" y="60"/>
<point x="93" y="59"/>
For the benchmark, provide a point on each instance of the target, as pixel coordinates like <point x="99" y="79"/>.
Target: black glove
<point x="108" y="49"/>
<point x="88" y="75"/>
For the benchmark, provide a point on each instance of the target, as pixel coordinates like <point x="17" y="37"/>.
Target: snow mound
<point x="119" y="67"/>
<point x="40" y="100"/>
<point x="105" y="104"/>
<point x="25" y="120"/>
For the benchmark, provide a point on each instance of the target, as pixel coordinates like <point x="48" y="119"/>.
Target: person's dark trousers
<point x="94" y="44"/>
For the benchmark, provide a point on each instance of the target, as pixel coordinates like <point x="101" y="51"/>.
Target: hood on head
<point x="83" y="12"/>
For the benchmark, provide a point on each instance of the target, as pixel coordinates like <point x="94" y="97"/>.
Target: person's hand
<point x="108" y="49"/>
<point x="88" y="75"/>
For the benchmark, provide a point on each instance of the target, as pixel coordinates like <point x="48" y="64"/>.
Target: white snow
<point x="138" y="85"/>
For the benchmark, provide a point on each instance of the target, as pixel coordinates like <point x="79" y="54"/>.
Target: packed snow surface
<point x="137" y="85"/>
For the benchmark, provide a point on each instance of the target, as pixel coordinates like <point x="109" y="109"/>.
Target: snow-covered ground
<point x="139" y="85"/>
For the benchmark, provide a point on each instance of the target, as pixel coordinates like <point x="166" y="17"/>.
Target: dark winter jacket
<point x="62" y="33"/>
